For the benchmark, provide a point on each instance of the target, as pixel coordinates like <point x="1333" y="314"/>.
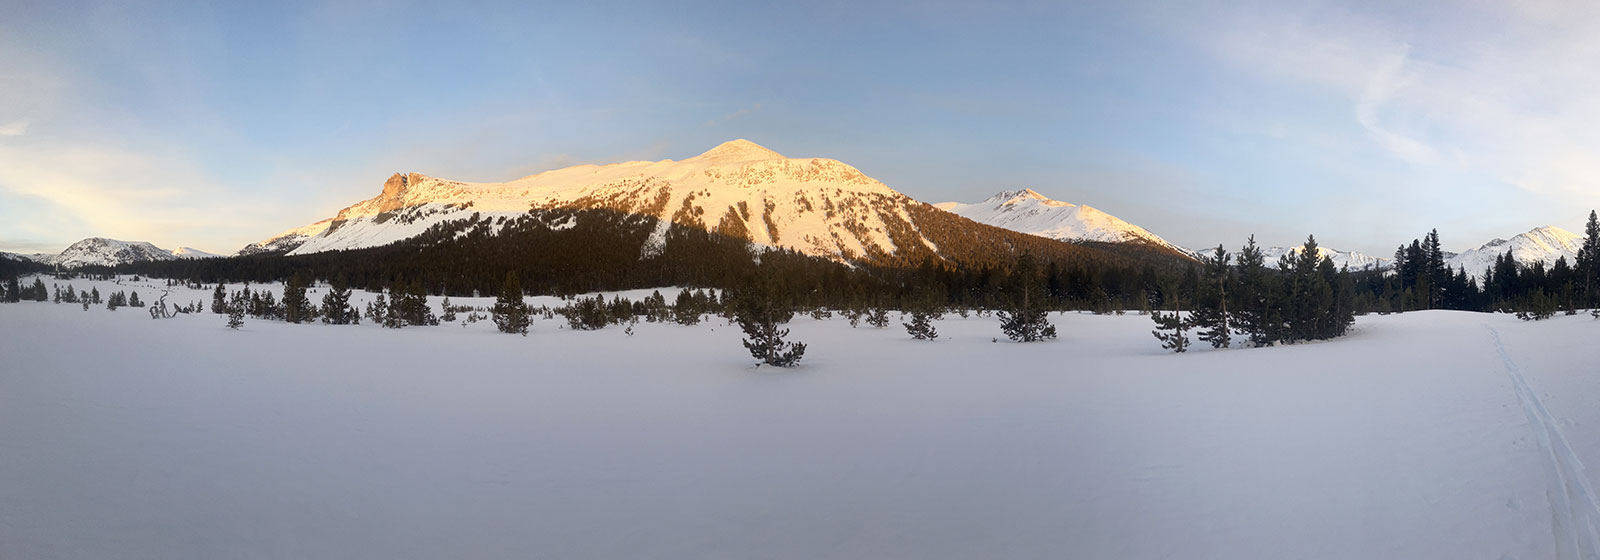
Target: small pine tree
<point x="1540" y="306"/>
<point x="394" y="317"/>
<point x="295" y="303"/>
<point x="1024" y="318"/>
<point x="336" y="309"/>
<point x="378" y="310"/>
<point x="510" y="311"/>
<point x="219" y="300"/>
<point x="1172" y="322"/>
<point x="94" y="295"/>
<point x="925" y="307"/>
<point x="417" y="310"/>
<point x="448" y="311"/>
<point x="921" y="325"/>
<point x="686" y="310"/>
<point x="878" y="317"/>
<point x="235" y="313"/>
<point x="1211" y="310"/>
<point x="760" y="306"/>
<point x="133" y="300"/>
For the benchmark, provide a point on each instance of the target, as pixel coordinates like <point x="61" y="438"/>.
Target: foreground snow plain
<point x="1425" y="435"/>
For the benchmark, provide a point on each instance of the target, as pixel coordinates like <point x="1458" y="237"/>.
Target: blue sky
<point x="215" y="125"/>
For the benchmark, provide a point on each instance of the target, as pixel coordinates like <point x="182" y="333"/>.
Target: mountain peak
<point x="1017" y="195"/>
<point x="739" y="150"/>
<point x="1553" y="230"/>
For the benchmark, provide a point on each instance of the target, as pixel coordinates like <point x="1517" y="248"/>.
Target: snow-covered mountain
<point x="1032" y="213"/>
<point x="1542" y="244"/>
<point x="289" y="240"/>
<point x="1354" y="259"/>
<point x="35" y="257"/>
<point x="193" y="253"/>
<point x="816" y="206"/>
<point x="100" y="251"/>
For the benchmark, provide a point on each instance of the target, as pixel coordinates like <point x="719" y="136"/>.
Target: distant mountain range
<point x="1029" y="212"/>
<point x="815" y="206"/>
<point x="1542" y="244"/>
<point x="99" y="251"/>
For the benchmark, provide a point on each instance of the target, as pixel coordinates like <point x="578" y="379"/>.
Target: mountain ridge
<point x="1027" y="211"/>
<point x="103" y="251"/>
<point x="817" y="206"/>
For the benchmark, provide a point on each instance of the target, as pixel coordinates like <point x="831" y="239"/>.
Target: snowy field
<point x="1427" y="435"/>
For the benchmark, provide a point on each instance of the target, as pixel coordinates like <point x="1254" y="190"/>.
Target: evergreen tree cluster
<point x="1420" y="280"/>
<point x="1303" y="298"/>
<point x="123" y="299"/>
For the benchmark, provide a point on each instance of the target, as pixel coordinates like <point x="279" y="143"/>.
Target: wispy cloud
<point x="734" y="115"/>
<point x="17" y="128"/>
<point x="98" y="190"/>
<point x="1497" y="91"/>
<point x="1381" y="89"/>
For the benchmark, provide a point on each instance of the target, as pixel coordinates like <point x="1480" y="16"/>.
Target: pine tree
<point x="417" y="310"/>
<point x="1589" y="261"/>
<point x="1170" y="325"/>
<point x="133" y="300"/>
<point x="1338" y="313"/>
<point x="378" y="310"/>
<point x="1311" y="295"/>
<point x="1211" y="307"/>
<point x="1251" y="314"/>
<point x="686" y="309"/>
<point x="94" y="295"/>
<point x="336" y="309"/>
<point x="878" y="317"/>
<point x="394" y="317"/>
<point x="219" y="300"/>
<point x="295" y="302"/>
<point x="447" y="311"/>
<point x="760" y="306"/>
<point x="235" y="311"/>
<point x="1024" y="318"/>
<point x="510" y="311"/>
<point x="925" y="308"/>
<point x="39" y="293"/>
<point x="13" y="290"/>
<point x="921" y="326"/>
<point x="1436" y="271"/>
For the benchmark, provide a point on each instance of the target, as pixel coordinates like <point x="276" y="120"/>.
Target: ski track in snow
<point x="1575" y="511"/>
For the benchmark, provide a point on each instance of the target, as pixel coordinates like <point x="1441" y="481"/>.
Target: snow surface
<point x="1424" y="435"/>
<point x="1027" y="211"/>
